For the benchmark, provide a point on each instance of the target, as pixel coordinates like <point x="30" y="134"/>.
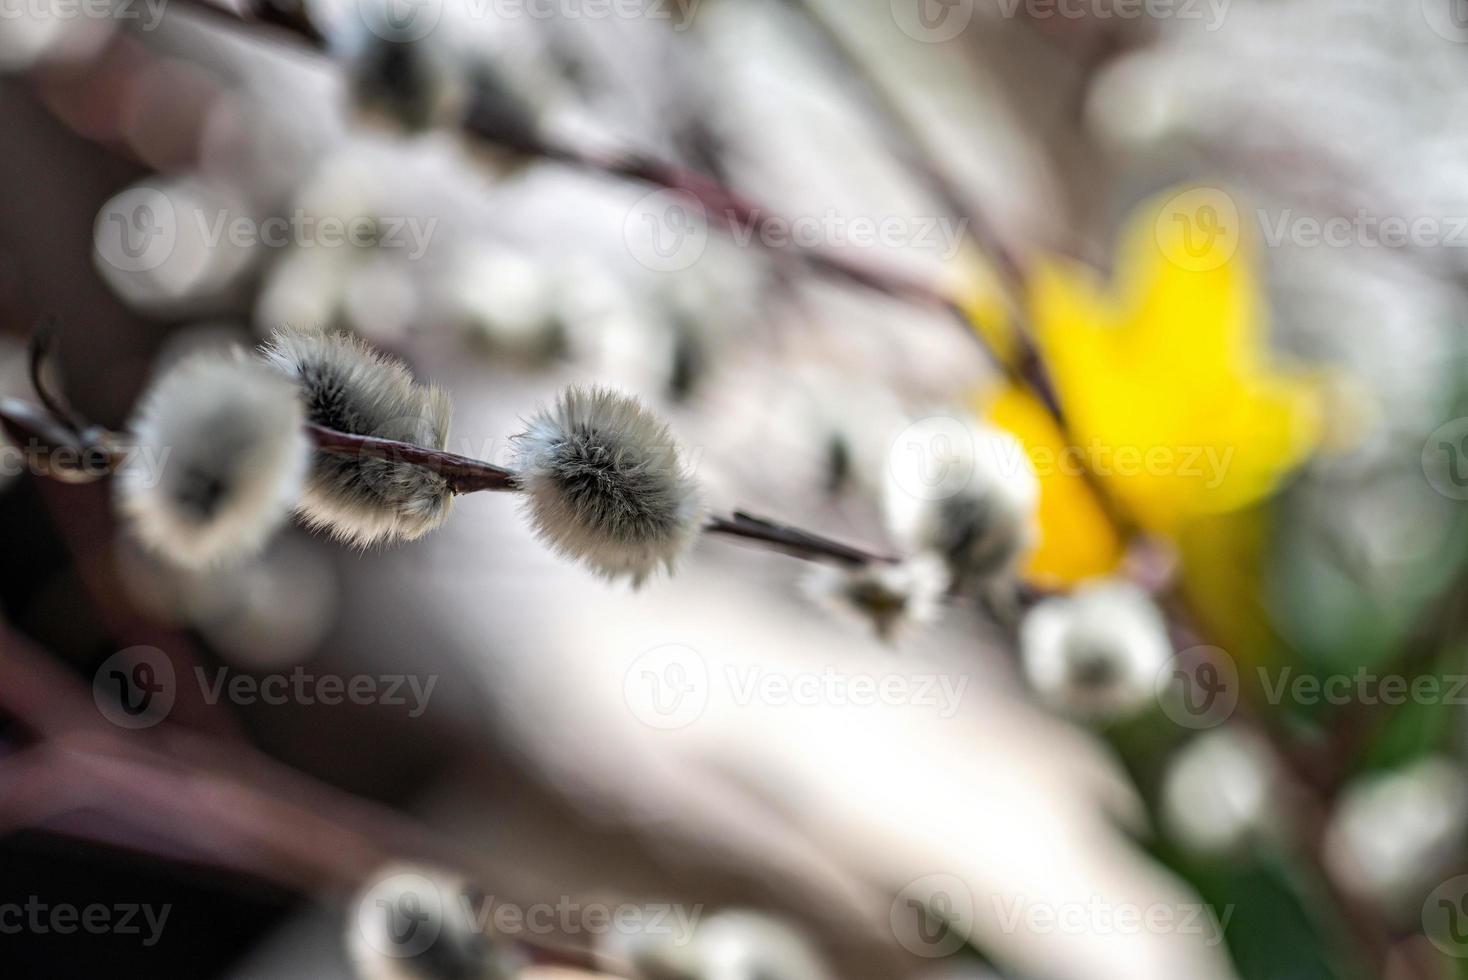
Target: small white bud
<point x="1393" y="834"/>
<point x="619" y="333"/>
<point x="1095" y="653"/>
<point x="966" y="491"/>
<point x="267" y="612"/>
<point x="416" y="923"/>
<point x="505" y="303"/>
<point x="348" y="386"/>
<point x="1221" y="791"/>
<point x="304" y="288"/>
<point x="218" y="459"/>
<point x="381" y="299"/>
<point x="606" y="485"/>
<point x="884" y="596"/>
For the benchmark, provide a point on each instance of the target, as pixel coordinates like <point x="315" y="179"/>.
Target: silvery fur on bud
<point x="1096" y="652"/>
<point x="348" y="386"/>
<point x="218" y="458"/>
<point x="606" y="484"/>
<point x="885" y="596"/>
<point x="968" y="493"/>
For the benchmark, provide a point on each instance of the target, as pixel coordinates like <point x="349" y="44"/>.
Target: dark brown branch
<point x="56" y="449"/>
<point x="283" y="19"/>
<point x="731" y="211"/>
<point x="42" y="346"/>
<point x="905" y="141"/>
<point x="792" y="540"/>
<point x="289" y="15"/>
<point x="495" y="122"/>
<point x="467" y="475"/>
<point x="464" y="474"/>
<point x="32" y="426"/>
<point x="27" y="424"/>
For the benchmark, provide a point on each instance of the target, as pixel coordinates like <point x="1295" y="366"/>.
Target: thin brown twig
<point x="42" y="345"/>
<point x="793" y="541"/>
<point x="468" y="475"/>
<point x="464" y="474"/>
<point x="905" y="140"/>
<point x="722" y="206"/>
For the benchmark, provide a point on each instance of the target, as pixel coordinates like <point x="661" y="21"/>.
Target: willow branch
<point x="793" y="541"/>
<point x="41" y="435"/>
<point x="467" y="475"/>
<point x="463" y="473"/>
<point x="905" y="140"/>
<point x="493" y="122"/>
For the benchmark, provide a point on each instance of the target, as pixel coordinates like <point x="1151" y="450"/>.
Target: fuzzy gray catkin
<point x="886" y="597"/>
<point x="1096" y="652"/>
<point x="348" y="386"/>
<point x="217" y="461"/>
<point x="967" y="492"/>
<point x="606" y="485"/>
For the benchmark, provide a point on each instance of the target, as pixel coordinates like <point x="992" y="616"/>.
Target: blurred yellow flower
<point x="1165" y="380"/>
<point x="1077" y="538"/>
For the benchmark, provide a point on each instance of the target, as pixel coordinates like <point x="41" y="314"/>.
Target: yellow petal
<point x="1166" y="378"/>
<point x="1077" y="539"/>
